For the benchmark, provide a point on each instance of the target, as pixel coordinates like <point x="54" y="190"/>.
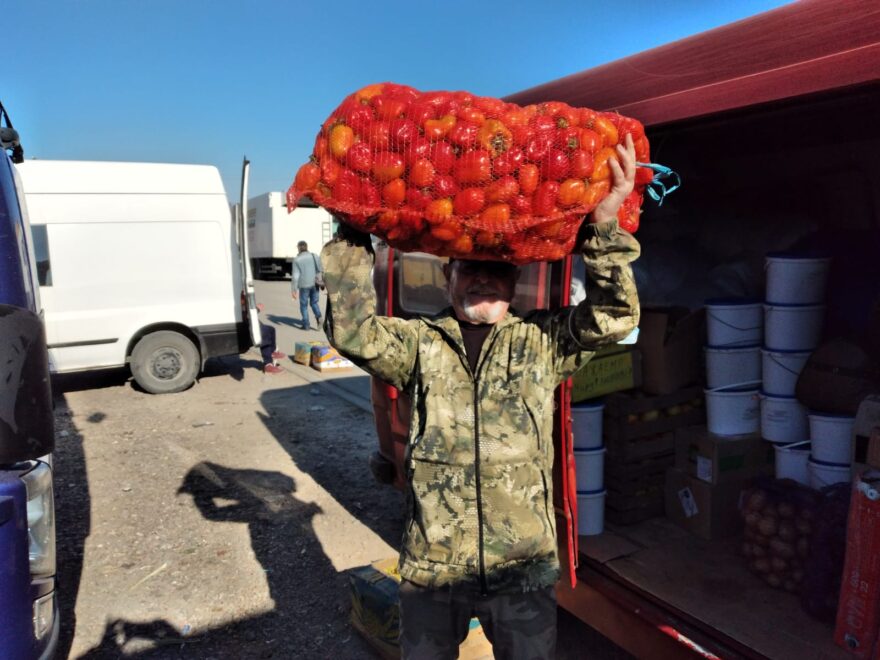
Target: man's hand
<point x="623" y="177"/>
<point x="294" y="294"/>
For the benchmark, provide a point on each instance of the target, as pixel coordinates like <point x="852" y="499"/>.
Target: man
<point x="479" y="536"/>
<point x="268" y="348"/>
<point x="306" y="277"/>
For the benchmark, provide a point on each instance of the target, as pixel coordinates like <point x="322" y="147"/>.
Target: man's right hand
<point x="294" y="294"/>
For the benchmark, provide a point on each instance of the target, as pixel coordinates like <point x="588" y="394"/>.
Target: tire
<point x="164" y="362"/>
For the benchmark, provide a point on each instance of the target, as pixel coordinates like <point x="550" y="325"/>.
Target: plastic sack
<point x="465" y="176"/>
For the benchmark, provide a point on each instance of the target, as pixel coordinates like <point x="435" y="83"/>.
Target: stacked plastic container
<point x="734" y="329"/>
<point x="589" y="458"/>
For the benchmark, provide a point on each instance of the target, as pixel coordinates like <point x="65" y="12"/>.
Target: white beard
<point x="483" y="312"/>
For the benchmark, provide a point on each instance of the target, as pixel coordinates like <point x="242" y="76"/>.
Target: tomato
<point x="307" y="177"/>
<point x="369" y="195"/>
<point x="443" y="157"/>
<point x="628" y="125"/>
<point x="444" y="186"/>
<point x="330" y="171"/>
<point x="421" y="174"/>
<point x="544" y="124"/>
<point x="473" y="167"/>
<point x="528" y="178"/>
<point x="643" y="151"/>
<point x="419" y="112"/>
<point x="571" y="192"/>
<point x="596" y="192"/>
<point x="469" y="201"/>
<point x="494" y="137"/>
<point x="418" y="148"/>
<point x="378" y="135"/>
<point x="364" y="94"/>
<point x="555" y="165"/>
<point x="471" y="114"/>
<point x="569" y="137"/>
<point x="521" y="205"/>
<point x="388" y="108"/>
<point x="347" y="187"/>
<point x="403" y="131"/>
<point x="322" y="148"/>
<point x="463" y="135"/>
<point x="436" y="99"/>
<point x="517" y="117"/>
<point x="438" y="210"/>
<point x="549" y="229"/>
<point x="566" y="116"/>
<point x="394" y="192"/>
<point x="508" y="162"/>
<point x="538" y="147"/>
<point x="496" y="216"/>
<point x="387" y="165"/>
<point x="436" y="129"/>
<point x="601" y="169"/>
<point x="502" y="190"/>
<point x="629" y="212"/>
<point x="606" y="128"/>
<point x="446" y="231"/>
<point x="487" y="238"/>
<point x="416" y="198"/>
<point x="544" y="201"/>
<point x="590" y="140"/>
<point x="586" y="116"/>
<point x="360" y="158"/>
<point x="522" y="135"/>
<point x="341" y="139"/>
<point x="581" y="162"/>
<point x="644" y="176"/>
<point x="464" y="244"/>
<point x="493" y="108"/>
<point x="387" y="221"/>
<point x="359" y="117"/>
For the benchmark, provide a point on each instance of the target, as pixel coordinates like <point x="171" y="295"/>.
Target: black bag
<point x="319" y="276"/>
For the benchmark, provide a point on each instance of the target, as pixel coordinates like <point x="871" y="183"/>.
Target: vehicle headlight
<point x="41" y="520"/>
<point x="44" y="615"/>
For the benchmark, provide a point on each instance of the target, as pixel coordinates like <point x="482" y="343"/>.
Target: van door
<point x="248" y="296"/>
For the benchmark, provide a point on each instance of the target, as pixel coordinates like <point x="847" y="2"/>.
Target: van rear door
<point x="248" y="296"/>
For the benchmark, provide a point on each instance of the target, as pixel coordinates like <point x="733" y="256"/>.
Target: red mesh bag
<point x="465" y="176"/>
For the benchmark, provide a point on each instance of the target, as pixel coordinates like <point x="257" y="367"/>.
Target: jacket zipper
<point x="483" y="586"/>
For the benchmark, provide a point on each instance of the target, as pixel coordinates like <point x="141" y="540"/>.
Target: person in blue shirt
<point x="306" y="279"/>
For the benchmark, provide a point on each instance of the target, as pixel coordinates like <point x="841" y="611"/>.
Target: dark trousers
<point x="434" y="622"/>
<point x="267" y="343"/>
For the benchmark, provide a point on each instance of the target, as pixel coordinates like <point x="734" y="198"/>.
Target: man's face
<point x="480" y="291"/>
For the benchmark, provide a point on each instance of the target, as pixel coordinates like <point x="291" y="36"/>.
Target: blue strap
<point x="658" y="188"/>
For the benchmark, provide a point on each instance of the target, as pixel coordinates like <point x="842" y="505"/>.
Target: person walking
<point x="305" y="282"/>
<point x="480" y="531"/>
<point x="268" y="348"/>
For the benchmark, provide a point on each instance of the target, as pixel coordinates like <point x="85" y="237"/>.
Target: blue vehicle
<point x="29" y="623"/>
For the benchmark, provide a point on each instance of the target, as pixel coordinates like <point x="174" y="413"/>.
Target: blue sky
<point x="208" y="81"/>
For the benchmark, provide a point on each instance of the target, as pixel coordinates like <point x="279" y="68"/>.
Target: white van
<point x="140" y="264"/>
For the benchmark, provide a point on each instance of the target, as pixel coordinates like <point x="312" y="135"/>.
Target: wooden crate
<point x="635" y="478"/>
<point x="634" y="450"/>
<point x="628" y="416"/>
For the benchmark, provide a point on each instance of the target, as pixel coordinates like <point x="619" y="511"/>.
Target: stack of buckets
<point x="589" y="458"/>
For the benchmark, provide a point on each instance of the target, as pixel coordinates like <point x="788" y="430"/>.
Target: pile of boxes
<point x="320" y="356"/>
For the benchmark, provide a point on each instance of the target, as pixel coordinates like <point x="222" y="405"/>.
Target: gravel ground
<point x="220" y="522"/>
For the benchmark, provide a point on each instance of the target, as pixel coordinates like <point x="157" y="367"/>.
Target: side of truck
<point x="771" y="123"/>
<point x="273" y="233"/>
<point x="139" y="264"/>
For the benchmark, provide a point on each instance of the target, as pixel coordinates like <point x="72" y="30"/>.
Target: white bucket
<point x="591" y="512"/>
<point x="727" y="366"/>
<point x="825" y="474"/>
<point x="832" y="437"/>
<point x="783" y="419"/>
<point x="734" y="322"/>
<point x="793" y="280"/>
<point x="589" y="465"/>
<point x="781" y="370"/>
<point x="793" y="327"/>
<point x="586" y="424"/>
<point x="732" y="411"/>
<point x="792" y="460"/>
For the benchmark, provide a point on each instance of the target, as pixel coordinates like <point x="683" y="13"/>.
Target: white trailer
<point x="272" y="233"/>
<point x="139" y="264"/>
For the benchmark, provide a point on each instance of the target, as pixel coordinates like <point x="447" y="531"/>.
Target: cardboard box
<point x="715" y="459"/>
<point x="302" y="351"/>
<point x="671" y="343"/>
<point x="325" y="358"/>
<point x="375" y="613"/>
<point x="710" y="511"/>
<point x="612" y="369"/>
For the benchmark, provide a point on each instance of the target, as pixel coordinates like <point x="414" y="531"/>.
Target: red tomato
<point x="330" y="171"/>
<point x="463" y="245"/>
<point x="643" y="150"/>
<point x="378" y="135"/>
<point x="491" y="107"/>
<point x="444" y="186"/>
<point x="471" y="114"/>
<point x="464" y="135"/>
<point x="586" y="116"/>
<point x="522" y="135"/>
<point x="418" y="148"/>
<point x="369" y="195"/>
<point x="443" y="157"/>
<point x="629" y="213"/>
<point x="360" y="158"/>
<point x="544" y="201"/>
<point x="394" y="192"/>
<point x="469" y="201"/>
<point x="644" y="176"/>
<point x="403" y="131"/>
<point x="628" y="125"/>
<point x="438" y="210"/>
<point x="521" y="205"/>
<point x="387" y="221"/>
<point x="421" y="174"/>
<point x="516" y="117"/>
<point x="446" y="231"/>
<point x="502" y="190"/>
<point x="496" y="216"/>
<point x="528" y="178"/>
<point x="544" y="124"/>
<point x="555" y="165"/>
<point x="488" y="238"/>
<point x="388" y="108"/>
<point x="420" y="112"/>
<point x="508" y="162"/>
<point x="347" y="187"/>
<point x="417" y="198"/>
<point x="590" y="140"/>
<point x="473" y="167"/>
<point x="387" y="165"/>
<point x="571" y="192"/>
<point x="436" y="129"/>
<point x="570" y="137"/>
<point x="341" y="139"/>
<point x="322" y="148"/>
<point x="581" y="163"/>
<point x="538" y="147"/>
<point x="359" y="117"/>
<point x="307" y="177"/>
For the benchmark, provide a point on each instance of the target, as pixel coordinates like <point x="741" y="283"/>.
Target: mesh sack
<point x="465" y="176"/>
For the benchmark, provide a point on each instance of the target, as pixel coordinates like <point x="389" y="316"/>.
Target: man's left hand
<point x="623" y="177"/>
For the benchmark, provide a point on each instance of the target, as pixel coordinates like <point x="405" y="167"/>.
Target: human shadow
<point x="230" y="365"/>
<point x="285" y="320"/>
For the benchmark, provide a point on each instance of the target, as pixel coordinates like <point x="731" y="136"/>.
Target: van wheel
<point x="164" y="362"/>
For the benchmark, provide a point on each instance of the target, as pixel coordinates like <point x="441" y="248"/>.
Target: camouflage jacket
<point x="480" y="451"/>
